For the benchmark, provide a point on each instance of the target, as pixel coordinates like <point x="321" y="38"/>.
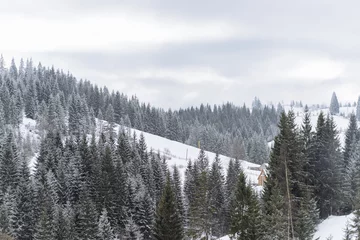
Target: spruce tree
<point x="334" y="105"/>
<point x="168" y="225"/>
<point x="356" y="220"/>
<point x="351" y="137"/>
<point x="104" y="231"/>
<point x="217" y="198"/>
<point x="358" y="109"/>
<point x="245" y="215"/>
<point x="86" y="218"/>
<point x="45" y="225"/>
<point x="178" y="193"/>
<point x="24" y="216"/>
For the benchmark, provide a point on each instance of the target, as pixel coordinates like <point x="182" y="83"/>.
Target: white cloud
<point x="287" y="66"/>
<point x="190" y="96"/>
<point x="316" y="69"/>
<point x="127" y="30"/>
<point x="188" y="75"/>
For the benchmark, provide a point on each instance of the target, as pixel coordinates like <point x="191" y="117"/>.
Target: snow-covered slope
<point x="28" y="132"/>
<point x="180" y="153"/>
<point x="333" y="226"/>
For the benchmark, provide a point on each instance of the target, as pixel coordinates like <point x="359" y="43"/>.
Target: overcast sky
<point x="181" y="53"/>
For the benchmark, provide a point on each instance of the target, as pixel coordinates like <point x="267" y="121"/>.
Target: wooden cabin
<point x="262" y="177"/>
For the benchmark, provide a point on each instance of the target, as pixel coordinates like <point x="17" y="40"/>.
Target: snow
<point x="32" y="163"/>
<point x="224" y="238"/>
<point x="334" y="226"/>
<point x="28" y="129"/>
<point x="180" y="153"/>
<point x="341" y="121"/>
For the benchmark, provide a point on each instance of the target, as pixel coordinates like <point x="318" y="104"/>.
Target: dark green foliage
<point x="245" y="212"/>
<point x="288" y="176"/>
<point x="168" y="225"/>
<point x="86" y="218"/>
<point x="178" y="193"/>
<point x="217" y="198"/>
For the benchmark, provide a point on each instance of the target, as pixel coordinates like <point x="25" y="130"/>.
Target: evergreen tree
<point x="245" y="215"/>
<point x="334" y="105"/>
<point x="274" y="215"/>
<point x="45" y="225"/>
<point x="8" y="164"/>
<point x="351" y="137"/>
<point x="168" y="224"/>
<point x="356" y="220"/>
<point x="358" y="109"/>
<point x="86" y="218"/>
<point x="178" y="193"/>
<point x="23" y="218"/>
<point x="347" y="232"/>
<point x="217" y="198"/>
<point x="105" y="231"/>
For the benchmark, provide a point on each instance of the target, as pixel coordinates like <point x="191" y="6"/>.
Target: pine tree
<point x="334" y="105"/>
<point x="178" y="193"/>
<point x="245" y="216"/>
<point x="275" y="216"/>
<point x="356" y="220"/>
<point x="158" y="177"/>
<point x="105" y="231"/>
<point x="145" y="218"/>
<point x="31" y="101"/>
<point x="8" y="164"/>
<point x="347" y="232"/>
<point x="358" y="109"/>
<point x="286" y="176"/>
<point x="86" y="218"/>
<point x="45" y="225"/>
<point x="351" y="138"/>
<point x="217" y="198"/>
<point x="168" y="224"/>
<point x="110" y="118"/>
<point x="23" y="218"/>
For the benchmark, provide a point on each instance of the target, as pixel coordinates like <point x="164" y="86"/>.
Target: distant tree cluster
<point x="56" y="100"/>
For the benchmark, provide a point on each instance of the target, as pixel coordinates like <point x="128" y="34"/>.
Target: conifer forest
<point x="87" y="176"/>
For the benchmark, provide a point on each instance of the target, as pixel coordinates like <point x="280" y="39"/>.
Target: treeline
<point x="112" y="187"/>
<point x="57" y="100"/>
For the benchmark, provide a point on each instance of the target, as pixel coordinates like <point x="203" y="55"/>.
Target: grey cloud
<point x="324" y="28"/>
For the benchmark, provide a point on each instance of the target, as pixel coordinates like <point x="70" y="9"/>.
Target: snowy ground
<point x="332" y="226"/>
<point x="180" y="153"/>
<point x="28" y="130"/>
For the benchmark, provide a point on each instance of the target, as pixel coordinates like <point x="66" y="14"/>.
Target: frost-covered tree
<point x="168" y="223"/>
<point x="334" y="105"/>
<point x="105" y="231"/>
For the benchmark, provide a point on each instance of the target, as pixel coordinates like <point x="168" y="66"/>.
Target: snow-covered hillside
<point x="177" y="153"/>
<point x="341" y="120"/>
<point x="180" y="153"/>
<point x="333" y="226"/>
